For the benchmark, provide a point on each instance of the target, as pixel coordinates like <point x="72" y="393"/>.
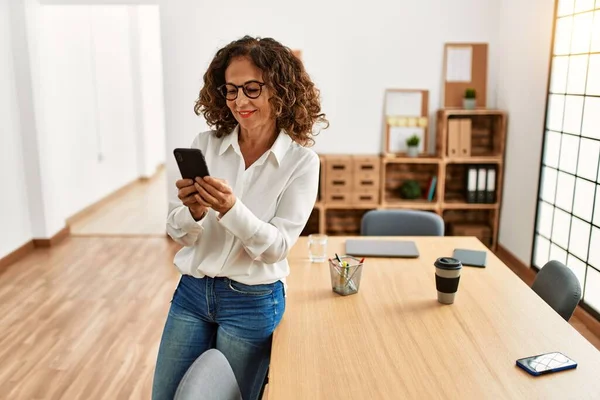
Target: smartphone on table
<point x="546" y="363"/>
<point x="191" y="163"/>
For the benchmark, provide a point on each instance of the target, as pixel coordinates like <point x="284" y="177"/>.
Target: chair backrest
<point x="558" y="286"/>
<point x="210" y="377"/>
<point x="401" y="223"/>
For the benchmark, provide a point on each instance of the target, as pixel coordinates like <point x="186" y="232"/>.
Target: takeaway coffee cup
<point x="447" y="276"/>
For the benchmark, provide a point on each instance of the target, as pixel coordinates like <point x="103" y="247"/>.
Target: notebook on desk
<point x="472" y="258"/>
<point x="381" y="248"/>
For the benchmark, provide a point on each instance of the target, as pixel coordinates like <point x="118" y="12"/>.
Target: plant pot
<point x="413" y="151"/>
<point x="469" y="104"/>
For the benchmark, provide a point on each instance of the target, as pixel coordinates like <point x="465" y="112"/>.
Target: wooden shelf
<point x="343" y="221"/>
<point x="313" y="225"/>
<point x="339" y="209"/>
<point x="411" y="160"/>
<point x="414" y="205"/>
<point x="474" y="160"/>
<point x="350" y="206"/>
<point x="469" y="206"/>
<point x="477" y="111"/>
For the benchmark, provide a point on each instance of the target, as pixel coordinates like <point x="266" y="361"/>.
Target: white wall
<point x="352" y="52"/>
<point x="25" y="27"/>
<point x="144" y="30"/>
<point x="87" y="97"/>
<point x="151" y="74"/>
<point x="15" y="227"/>
<point x="93" y="106"/>
<point x="71" y="124"/>
<point x="523" y="58"/>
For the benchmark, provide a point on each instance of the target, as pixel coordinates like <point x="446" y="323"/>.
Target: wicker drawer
<point x="366" y="181"/>
<point x="365" y="165"/>
<point x="337" y="196"/>
<point x="365" y="197"/>
<point x="343" y="183"/>
<point x="338" y="165"/>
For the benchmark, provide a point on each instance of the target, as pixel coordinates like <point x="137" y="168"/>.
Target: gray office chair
<point x="210" y="377"/>
<point x="558" y="286"/>
<point x="401" y="223"/>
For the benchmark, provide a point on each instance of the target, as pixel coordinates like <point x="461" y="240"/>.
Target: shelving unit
<point x="412" y="205"/>
<point x="486" y="147"/>
<point x="352" y="185"/>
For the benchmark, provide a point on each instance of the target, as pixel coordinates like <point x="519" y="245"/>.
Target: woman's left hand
<point x="216" y="192"/>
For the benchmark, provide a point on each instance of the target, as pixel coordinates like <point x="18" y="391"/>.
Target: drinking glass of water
<point x="317" y="248"/>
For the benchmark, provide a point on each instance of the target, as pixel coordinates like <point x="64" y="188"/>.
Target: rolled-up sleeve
<point x="270" y="242"/>
<point x="181" y="225"/>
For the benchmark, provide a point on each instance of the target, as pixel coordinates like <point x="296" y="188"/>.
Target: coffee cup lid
<point x="448" y="263"/>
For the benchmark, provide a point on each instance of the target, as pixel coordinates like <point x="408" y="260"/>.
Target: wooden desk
<point x="393" y="340"/>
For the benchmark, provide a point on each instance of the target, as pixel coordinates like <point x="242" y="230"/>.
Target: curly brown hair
<point x="295" y="99"/>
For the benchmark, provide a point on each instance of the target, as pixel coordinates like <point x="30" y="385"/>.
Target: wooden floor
<point x="584" y="331"/>
<point x="83" y="320"/>
<point x="140" y="209"/>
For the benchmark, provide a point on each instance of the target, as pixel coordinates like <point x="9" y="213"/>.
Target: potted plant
<point x="412" y="145"/>
<point x="469" y="100"/>
<point x="410" y="190"/>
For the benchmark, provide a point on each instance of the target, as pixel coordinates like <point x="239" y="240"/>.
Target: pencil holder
<point x="345" y="275"/>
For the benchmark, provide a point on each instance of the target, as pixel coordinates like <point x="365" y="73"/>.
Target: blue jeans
<point x="237" y="319"/>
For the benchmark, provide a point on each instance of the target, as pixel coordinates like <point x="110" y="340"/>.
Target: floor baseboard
<point x="54" y="240"/>
<point x="523" y="271"/>
<point x="103" y="201"/>
<point x="110" y="197"/>
<point x="588" y="320"/>
<point x="159" y="169"/>
<point x="17" y="255"/>
<point x="30" y="246"/>
<point x="65" y="232"/>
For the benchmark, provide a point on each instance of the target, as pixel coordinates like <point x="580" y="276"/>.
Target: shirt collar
<point x="279" y="148"/>
<point x="230" y="140"/>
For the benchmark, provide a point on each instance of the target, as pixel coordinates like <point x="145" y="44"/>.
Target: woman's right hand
<point x="191" y="199"/>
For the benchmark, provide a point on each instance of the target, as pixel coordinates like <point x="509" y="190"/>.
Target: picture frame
<point x="405" y="114"/>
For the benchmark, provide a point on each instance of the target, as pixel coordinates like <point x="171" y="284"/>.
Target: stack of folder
<point x="481" y="183"/>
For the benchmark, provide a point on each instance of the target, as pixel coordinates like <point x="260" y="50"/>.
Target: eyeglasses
<point x="252" y="90"/>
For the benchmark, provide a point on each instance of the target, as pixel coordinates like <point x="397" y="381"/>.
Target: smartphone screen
<point x="546" y="363"/>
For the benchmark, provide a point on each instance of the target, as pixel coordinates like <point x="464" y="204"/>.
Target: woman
<point x="238" y="225"/>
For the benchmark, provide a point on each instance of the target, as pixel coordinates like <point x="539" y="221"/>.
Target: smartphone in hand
<point x="191" y="163"/>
